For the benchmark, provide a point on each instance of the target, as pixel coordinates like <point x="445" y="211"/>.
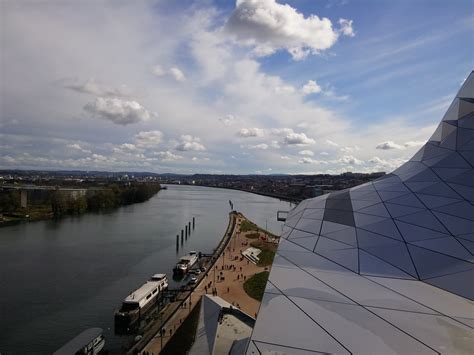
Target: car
<point x="203" y="269"/>
<point x="193" y="280"/>
<point x="197" y="271"/>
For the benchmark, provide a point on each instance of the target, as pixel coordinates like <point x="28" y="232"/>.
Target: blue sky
<point x="249" y="86"/>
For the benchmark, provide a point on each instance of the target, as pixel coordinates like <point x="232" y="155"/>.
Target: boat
<point x="186" y="262"/>
<point x="140" y="301"/>
<point x="89" y="342"/>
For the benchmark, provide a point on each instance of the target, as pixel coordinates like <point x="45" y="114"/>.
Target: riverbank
<point x="49" y="202"/>
<point x="225" y="278"/>
<point x="92" y="262"/>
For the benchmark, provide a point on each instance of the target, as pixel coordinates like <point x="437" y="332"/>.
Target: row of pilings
<point x="185" y="233"/>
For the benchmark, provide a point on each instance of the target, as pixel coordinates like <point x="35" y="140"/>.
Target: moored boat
<point x="89" y="342"/>
<point x="186" y="262"/>
<point x="140" y="301"/>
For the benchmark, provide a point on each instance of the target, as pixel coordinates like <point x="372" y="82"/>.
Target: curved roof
<point x="384" y="267"/>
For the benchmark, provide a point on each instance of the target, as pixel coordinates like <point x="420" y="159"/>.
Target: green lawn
<point x="265" y="258"/>
<point x="253" y="235"/>
<point x="247" y="226"/>
<point x="255" y="286"/>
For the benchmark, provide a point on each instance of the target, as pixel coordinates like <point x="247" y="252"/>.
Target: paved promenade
<point x="226" y="279"/>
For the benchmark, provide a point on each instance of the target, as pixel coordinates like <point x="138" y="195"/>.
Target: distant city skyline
<point x="227" y="87"/>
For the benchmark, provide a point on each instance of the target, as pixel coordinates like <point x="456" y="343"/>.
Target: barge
<point x="140" y="301"/>
<point x="89" y="342"/>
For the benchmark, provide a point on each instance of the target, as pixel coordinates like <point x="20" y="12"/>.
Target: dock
<point x="173" y="314"/>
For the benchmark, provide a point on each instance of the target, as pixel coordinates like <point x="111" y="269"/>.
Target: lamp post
<point x="161" y="330"/>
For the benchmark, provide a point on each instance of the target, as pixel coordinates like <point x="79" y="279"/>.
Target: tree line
<point x="66" y="203"/>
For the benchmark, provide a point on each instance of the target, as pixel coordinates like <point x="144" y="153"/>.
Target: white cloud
<point x="324" y="153"/>
<point x="275" y="144"/>
<point x="177" y="74"/>
<point x="261" y="146"/>
<point x="148" y="138"/>
<point x="349" y="159"/>
<point x="298" y="139"/>
<point x="190" y="143"/>
<point x="388" y="145"/>
<point x="269" y="26"/>
<point x="346" y="27"/>
<point x="285" y="157"/>
<point x="311" y="87"/>
<point x="392" y="145"/>
<point x="91" y="87"/>
<point x="168" y="156"/>
<point x="386" y="165"/>
<point x="76" y="146"/>
<point x="127" y="148"/>
<point x="284" y="89"/>
<point x="308" y="153"/>
<point x="331" y="143"/>
<point x="349" y="149"/>
<point x="118" y="111"/>
<point x="280" y="131"/>
<point x="158" y="70"/>
<point x="307" y="160"/>
<point x="228" y="120"/>
<point x="413" y="144"/>
<point x="251" y="132"/>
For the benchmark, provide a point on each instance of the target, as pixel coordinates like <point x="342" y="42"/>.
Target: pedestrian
<point x="228" y="289"/>
<point x="238" y="277"/>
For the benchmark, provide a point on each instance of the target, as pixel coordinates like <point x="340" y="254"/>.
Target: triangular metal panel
<point x="432" y="264"/>
<point x="386" y="227"/>
<point x="453" y="111"/>
<point x="398" y="210"/>
<point x="412" y="233"/>
<point x="340" y="253"/>
<point x="372" y="266"/>
<point x="449" y="246"/>
<point x="423" y="219"/>
<point x="454" y="224"/>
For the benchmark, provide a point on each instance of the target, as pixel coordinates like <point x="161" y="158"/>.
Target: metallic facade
<point x="384" y="267"/>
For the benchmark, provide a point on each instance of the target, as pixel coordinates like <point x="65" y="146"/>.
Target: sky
<point x="227" y="87"/>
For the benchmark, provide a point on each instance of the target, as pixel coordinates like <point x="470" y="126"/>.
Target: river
<point x="58" y="278"/>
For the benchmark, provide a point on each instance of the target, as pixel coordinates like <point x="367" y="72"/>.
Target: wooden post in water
<point x="177" y="242"/>
<point x="194" y="222"/>
<point x="186" y="232"/>
<point x="189" y="227"/>
<point x="182" y="237"/>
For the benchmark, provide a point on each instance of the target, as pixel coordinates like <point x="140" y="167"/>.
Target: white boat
<point x="141" y="300"/>
<point x="89" y="342"/>
<point x="186" y="262"/>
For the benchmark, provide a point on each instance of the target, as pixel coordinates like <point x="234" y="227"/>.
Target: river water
<point x="58" y="278"/>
